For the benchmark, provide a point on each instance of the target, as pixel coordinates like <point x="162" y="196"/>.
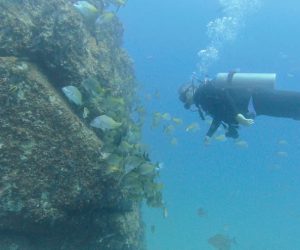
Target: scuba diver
<point x="234" y="99"/>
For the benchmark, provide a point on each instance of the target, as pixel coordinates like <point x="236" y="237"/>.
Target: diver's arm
<point x="213" y="127"/>
<point x="237" y="116"/>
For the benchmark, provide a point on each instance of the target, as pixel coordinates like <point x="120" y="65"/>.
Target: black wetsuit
<point x="224" y="103"/>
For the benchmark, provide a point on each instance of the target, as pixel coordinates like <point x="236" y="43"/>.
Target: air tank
<point x="246" y="80"/>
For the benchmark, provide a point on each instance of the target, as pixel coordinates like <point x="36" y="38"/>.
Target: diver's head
<point x="186" y="94"/>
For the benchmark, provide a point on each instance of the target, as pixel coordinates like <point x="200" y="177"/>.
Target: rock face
<point x="53" y="184"/>
<point x="56" y="192"/>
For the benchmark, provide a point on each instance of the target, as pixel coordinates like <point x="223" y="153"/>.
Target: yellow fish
<point x="176" y="120"/>
<point x="166" y="116"/>
<point x="282" y="154"/>
<point x="169" y="129"/>
<point x="282" y="142"/>
<point x="174" y="141"/>
<point x="193" y="127"/>
<point x="241" y="143"/>
<point x="220" y="137"/>
<point x="156" y="119"/>
<point x="86" y="9"/>
<point x="112" y="169"/>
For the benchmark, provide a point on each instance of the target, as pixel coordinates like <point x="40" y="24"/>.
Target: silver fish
<point x="105" y="122"/>
<point x="73" y="94"/>
<point x="86" y="9"/>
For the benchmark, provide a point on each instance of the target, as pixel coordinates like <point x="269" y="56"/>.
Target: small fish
<point x="201" y="212"/>
<point x="282" y="142"/>
<point x="86" y="9"/>
<point x="13" y="88"/>
<point x="156" y="119"/>
<point x="241" y="143"/>
<point x="140" y="110"/>
<point x="126" y="146"/>
<point x="120" y="3"/>
<point x="282" y="154"/>
<point x="112" y="169"/>
<point x="193" y="127"/>
<point x="174" y="141"/>
<point x="165" y="212"/>
<point x="169" y="129"/>
<point x="132" y="163"/>
<point x="177" y="121"/>
<point x="146" y="168"/>
<point x="73" y="94"/>
<point x="166" y="116"/>
<point x="221" y="242"/>
<point x="152" y="229"/>
<point x="92" y="86"/>
<point x="106" y="17"/>
<point x="149" y="57"/>
<point x="105" y="122"/>
<point x="158" y="186"/>
<point x="274" y="167"/>
<point x="221" y="137"/>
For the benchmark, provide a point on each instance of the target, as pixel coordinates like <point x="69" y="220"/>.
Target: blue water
<point x="250" y="193"/>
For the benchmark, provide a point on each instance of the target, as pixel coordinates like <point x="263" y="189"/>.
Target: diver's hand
<point x="207" y="140"/>
<point x="244" y="121"/>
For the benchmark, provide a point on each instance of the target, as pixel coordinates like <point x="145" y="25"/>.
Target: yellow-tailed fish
<point x="112" y="169"/>
<point x="282" y="142"/>
<point x="126" y="146"/>
<point x="92" y="86"/>
<point x="174" y="141"/>
<point x="106" y="17"/>
<point x="105" y="122"/>
<point x="193" y="127"/>
<point x="146" y="168"/>
<point x="221" y="241"/>
<point x="169" y="129"/>
<point x="86" y="9"/>
<point x="282" y="154"/>
<point x="177" y="121"/>
<point x="221" y="137"/>
<point x="166" y="116"/>
<point x="241" y="143"/>
<point x="73" y="94"/>
<point x="156" y="119"/>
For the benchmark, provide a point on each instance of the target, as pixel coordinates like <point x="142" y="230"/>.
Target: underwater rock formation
<point x="52" y="179"/>
<point x="63" y="183"/>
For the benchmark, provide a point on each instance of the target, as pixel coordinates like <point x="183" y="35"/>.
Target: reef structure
<point x="65" y="184"/>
